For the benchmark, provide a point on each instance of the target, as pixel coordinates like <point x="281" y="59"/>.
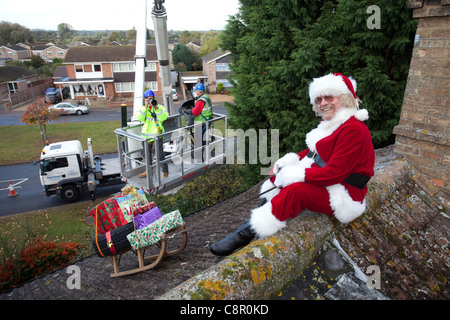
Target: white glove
<point x="287" y="160"/>
<point x="292" y="173"/>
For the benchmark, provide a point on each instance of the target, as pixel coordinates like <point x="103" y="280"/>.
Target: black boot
<point x="241" y="237"/>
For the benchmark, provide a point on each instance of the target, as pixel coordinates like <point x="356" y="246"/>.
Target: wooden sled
<point x="163" y="252"/>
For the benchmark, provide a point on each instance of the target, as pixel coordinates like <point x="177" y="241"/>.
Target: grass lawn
<point x="68" y="223"/>
<point x="20" y="144"/>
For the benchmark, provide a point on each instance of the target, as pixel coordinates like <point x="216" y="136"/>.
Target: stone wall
<point x="422" y="136"/>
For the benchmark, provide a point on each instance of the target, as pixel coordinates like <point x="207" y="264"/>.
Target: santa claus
<point x="329" y="177"/>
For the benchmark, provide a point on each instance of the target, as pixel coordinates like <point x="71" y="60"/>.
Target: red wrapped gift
<point x="108" y="216"/>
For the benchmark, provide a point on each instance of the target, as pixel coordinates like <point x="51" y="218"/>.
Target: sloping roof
<point x="106" y="54"/>
<point x="45" y="47"/>
<point x="15" y="48"/>
<point x="213" y="56"/>
<point x="60" y="72"/>
<point x="11" y="73"/>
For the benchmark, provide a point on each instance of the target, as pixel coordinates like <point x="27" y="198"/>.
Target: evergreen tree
<point x="181" y="55"/>
<point x="278" y="47"/>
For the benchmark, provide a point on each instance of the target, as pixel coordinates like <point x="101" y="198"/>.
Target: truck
<point x="66" y="170"/>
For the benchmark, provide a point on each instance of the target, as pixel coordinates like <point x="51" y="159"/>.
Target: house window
<point x="123" y="67"/>
<point x="12" y="86"/>
<point x="88" y="68"/>
<point x="11" y="53"/>
<point x="151" y="66"/>
<point x="60" y="53"/>
<point x="130" y="67"/>
<point x="222" y="67"/>
<point x="129" y="86"/>
<point x="153" y="85"/>
<point x="85" y="89"/>
<point x="124" y="86"/>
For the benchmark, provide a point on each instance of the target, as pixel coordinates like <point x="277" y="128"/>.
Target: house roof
<point x="215" y="55"/>
<point x="45" y="47"/>
<point x="11" y="73"/>
<point x="106" y="54"/>
<point x="60" y="72"/>
<point x="15" y="48"/>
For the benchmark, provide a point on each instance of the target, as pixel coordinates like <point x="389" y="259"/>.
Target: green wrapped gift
<point x="152" y="233"/>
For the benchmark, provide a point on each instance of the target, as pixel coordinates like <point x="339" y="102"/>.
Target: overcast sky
<point x="117" y="15"/>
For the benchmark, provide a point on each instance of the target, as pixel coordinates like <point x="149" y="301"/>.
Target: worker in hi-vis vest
<point x="153" y="115"/>
<point x="203" y="106"/>
<point x="202" y="110"/>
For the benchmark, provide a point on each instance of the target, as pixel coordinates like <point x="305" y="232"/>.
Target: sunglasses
<point x="326" y="98"/>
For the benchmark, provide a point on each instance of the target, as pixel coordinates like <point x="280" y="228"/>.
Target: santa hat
<point x="332" y="84"/>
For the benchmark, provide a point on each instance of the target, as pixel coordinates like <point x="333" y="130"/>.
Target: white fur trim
<point x="293" y="173"/>
<point x="263" y="222"/>
<point x="331" y="85"/>
<point x="267" y="185"/>
<point x="288" y="159"/>
<point x="326" y="128"/>
<point x="362" y="115"/>
<point x="344" y="207"/>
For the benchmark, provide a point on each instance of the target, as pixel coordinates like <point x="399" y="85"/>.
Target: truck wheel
<point x="69" y="193"/>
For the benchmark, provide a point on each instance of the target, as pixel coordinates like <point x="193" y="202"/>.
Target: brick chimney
<point x="422" y="135"/>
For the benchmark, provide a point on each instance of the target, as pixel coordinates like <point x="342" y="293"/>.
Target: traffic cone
<point x="12" y="192"/>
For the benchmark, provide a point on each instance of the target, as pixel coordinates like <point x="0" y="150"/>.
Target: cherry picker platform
<point x="189" y="150"/>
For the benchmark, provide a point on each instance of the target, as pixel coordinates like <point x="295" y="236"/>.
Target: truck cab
<point x="62" y="169"/>
<point x="66" y="170"/>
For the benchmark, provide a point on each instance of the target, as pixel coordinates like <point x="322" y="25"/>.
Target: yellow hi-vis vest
<point x="152" y="127"/>
<point x="207" y="109"/>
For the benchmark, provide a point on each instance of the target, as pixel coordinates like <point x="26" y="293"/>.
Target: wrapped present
<point x="114" y="241"/>
<point x="107" y="216"/>
<point x="152" y="233"/>
<point x="142" y="209"/>
<point x="129" y="202"/>
<point x="144" y="219"/>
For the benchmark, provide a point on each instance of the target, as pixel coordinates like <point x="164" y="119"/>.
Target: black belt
<point x="357" y="180"/>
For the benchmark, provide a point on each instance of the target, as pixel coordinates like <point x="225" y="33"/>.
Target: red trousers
<point x="299" y="196"/>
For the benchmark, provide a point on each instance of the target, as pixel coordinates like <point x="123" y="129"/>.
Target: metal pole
<point x="159" y="16"/>
<point x="140" y="59"/>
<point x="123" y="110"/>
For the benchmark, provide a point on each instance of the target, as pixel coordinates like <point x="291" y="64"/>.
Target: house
<point x="19" y="85"/>
<point x="14" y="53"/>
<point x="14" y="79"/>
<point x="216" y="67"/>
<point x="107" y="72"/>
<point x="49" y="52"/>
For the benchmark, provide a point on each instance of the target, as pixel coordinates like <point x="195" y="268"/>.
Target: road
<point x="26" y="183"/>
<point x="12" y="118"/>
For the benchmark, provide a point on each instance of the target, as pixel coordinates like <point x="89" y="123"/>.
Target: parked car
<point x="65" y="92"/>
<point x="70" y="108"/>
<point x="52" y="95"/>
<point x="174" y="94"/>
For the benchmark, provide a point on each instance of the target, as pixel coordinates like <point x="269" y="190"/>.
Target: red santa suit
<point x="344" y="143"/>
